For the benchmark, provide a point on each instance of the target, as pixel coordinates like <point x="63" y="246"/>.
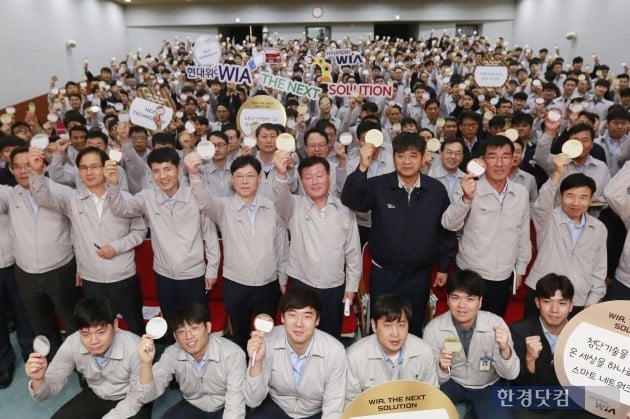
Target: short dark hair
<point x="579" y="128"/>
<point x="230" y="127"/>
<point x="243" y="161"/>
<point x="390" y="307"/>
<point x="497" y="141"/>
<point x="221" y="135"/>
<point x="12" y="141"/>
<point x="408" y="140"/>
<point x="467" y="281"/>
<point x="91" y="150"/>
<point x="315" y="131"/>
<point x="577" y="180"/>
<point x="268" y="126"/>
<point x="97" y="133"/>
<point x="312" y="161"/>
<point x="453" y="141"/>
<point x="618" y="114"/>
<point x="408" y="121"/>
<point x="365" y="125"/>
<point x="92" y="312"/>
<point x="163" y="138"/>
<point x="190" y="313"/>
<point x="467" y="115"/>
<point x="298" y="298"/>
<point x="138" y="128"/>
<point x="77" y="128"/>
<point x="520" y="96"/>
<point x="547" y="286"/>
<point x="522" y="117"/>
<point x="163" y="155"/>
<point x="18" y="150"/>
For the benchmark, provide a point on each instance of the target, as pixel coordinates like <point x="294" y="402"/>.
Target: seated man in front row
<point x="104" y="355"/>
<point x="486" y="354"/>
<point x="535" y="340"/>
<point x="391" y="353"/>
<point x="298" y="371"/>
<point x="209" y="369"/>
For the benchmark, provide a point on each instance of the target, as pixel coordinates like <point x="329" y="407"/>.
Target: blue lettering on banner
<point x="223" y="72"/>
<point x="538" y="397"/>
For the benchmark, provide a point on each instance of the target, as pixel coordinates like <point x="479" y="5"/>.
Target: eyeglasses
<point x="17" y="167"/>
<point x="493" y="159"/>
<point x="194" y="330"/>
<point x="138" y="137"/>
<point x="219" y="145"/>
<point x="241" y="178"/>
<point x="316" y="146"/>
<point x="470" y="125"/>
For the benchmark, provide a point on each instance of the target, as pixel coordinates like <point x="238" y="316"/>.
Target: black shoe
<point x="6" y="377"/>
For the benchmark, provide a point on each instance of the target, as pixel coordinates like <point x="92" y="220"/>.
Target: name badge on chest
<point x="484" y="363"/>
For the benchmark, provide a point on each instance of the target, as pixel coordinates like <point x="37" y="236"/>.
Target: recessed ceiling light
<point x="127" y="1"/>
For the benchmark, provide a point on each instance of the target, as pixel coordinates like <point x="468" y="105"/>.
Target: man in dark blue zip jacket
<point x="406" y="235"/>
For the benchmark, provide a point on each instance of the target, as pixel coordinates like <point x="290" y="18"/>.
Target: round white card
<point x="40" y="141"/>
<point x="41" y="345"/>
<point x="572" y="148"/>
<point x="345" y="138"/>
<point x="285" y="142"/>
<point x="475" y="169"/>
<point x="433" y="145"/>
<point x="206" y="150"/>
<point x="156" y="327"/>
<point x="374" y="137"/>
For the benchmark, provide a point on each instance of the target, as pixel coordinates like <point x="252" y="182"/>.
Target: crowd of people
<point x="292" y="225"/>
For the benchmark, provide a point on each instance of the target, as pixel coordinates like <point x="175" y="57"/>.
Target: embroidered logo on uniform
<point x="391" y="206"/>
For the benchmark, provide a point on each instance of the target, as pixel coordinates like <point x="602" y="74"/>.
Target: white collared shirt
<point x="99" y="201"/>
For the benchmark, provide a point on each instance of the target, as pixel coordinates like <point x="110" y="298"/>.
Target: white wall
<point x="601" y="27"/>
<point x="290" y="12"/>
<point x="150" y="39"/>
<point x="33" y="38"/>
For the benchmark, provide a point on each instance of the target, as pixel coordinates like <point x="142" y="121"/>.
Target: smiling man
<point x="494" y="215"/>
<point x="298" y="371"/>
<point x="104" y="355"/>
<point x="486" y="354"/>
<point x="570" y="241"/>
<point x="406" y="235"/>
<point x="208" y="369"/>
<point x="390" y="353"/>
<point x="181" y="236"/>
<point x="325" y="253"/>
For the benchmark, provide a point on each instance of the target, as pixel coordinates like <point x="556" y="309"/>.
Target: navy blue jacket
<point x="403" y="232"/>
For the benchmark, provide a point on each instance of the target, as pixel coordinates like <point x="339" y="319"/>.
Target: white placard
<point x="589" y="364"/>
<point x="141" y="113"/>
<point x="491" y="76"/>
<point x="251" y="118"/>
<point x="207" y="50"/>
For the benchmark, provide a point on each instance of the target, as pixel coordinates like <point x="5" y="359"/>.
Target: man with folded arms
<point x="255" y="243"/>
<point x="208" y="369"/>
<point x="107" y="358"/>
<point x="325" y="253"/>
<point x="103" y="243"/>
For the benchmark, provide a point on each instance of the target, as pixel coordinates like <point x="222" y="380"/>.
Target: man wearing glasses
<point x="494" y="213"/>
<point x="468" y="124"/>
<point x="215" y="174"/>
<point x="103" y="243"/>
<point x="255" y="245"/>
